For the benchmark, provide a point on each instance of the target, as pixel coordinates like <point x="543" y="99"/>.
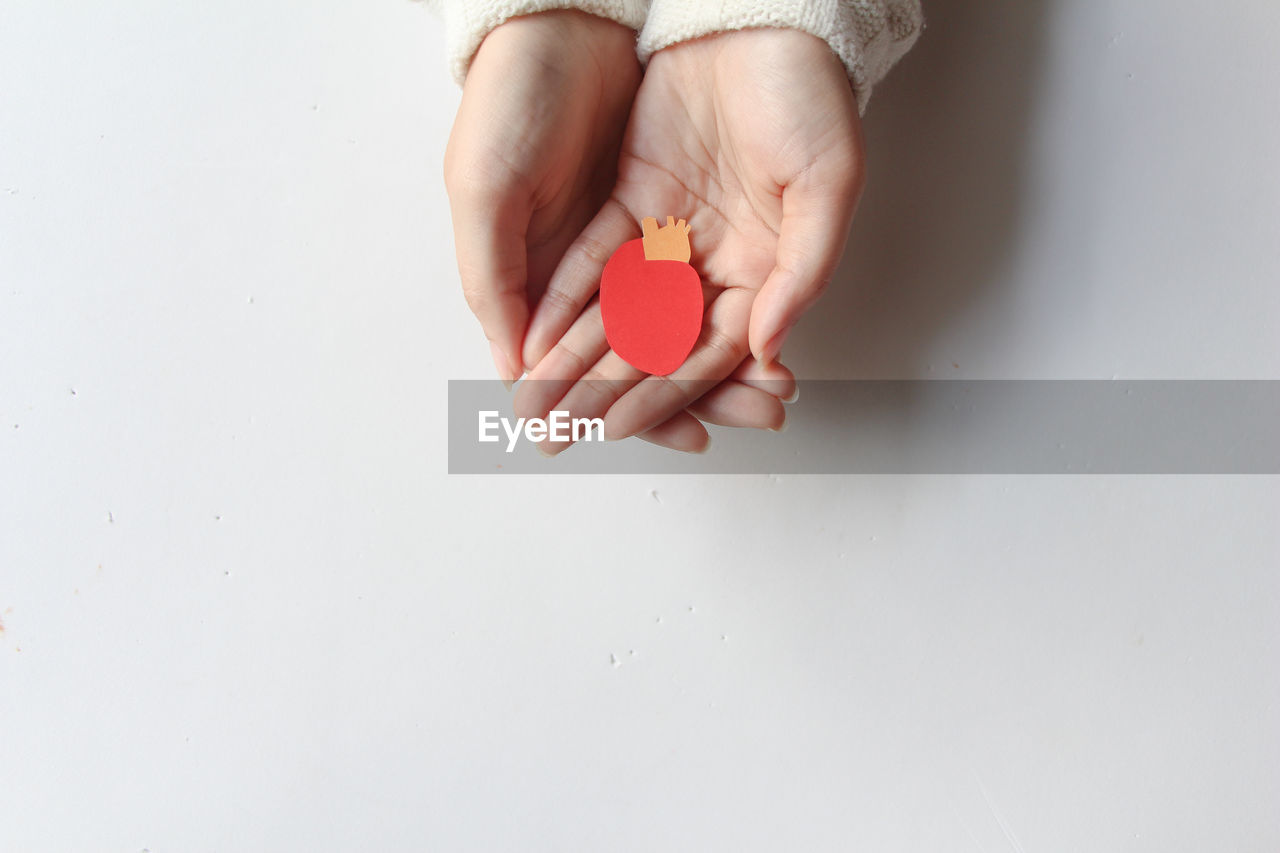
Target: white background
<point x="245" y="608"/>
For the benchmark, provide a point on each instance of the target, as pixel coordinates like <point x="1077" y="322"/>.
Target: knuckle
<point x="672" y="393"/>
<point x="484" y="291"/>
<point x="670" y="388"/>
<point x="599" y="388"/>
<point x="591" y="252"/>
<point x="562" y="302"/>
<point x="576" y="359"/>
<point x="594" y="376"/>
<point x="733" y="350"/>
<point x="478" y="299"/>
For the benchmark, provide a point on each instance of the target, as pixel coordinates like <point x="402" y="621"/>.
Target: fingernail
<point x="795" y="395"/>
<point x="705" y="447"/>
<point x="506" y="372"/>
<point x="770" y="353"/>
<point x="782" y="427"/>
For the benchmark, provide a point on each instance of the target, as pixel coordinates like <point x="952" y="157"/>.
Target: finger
<point x="596" y="391"/>
<point x="681" y="432"/>
<point x="734" y="404"/>
<point x="576" y="279"/>
<point x="537" y="396"/>
<point x="817" y="210"/>
<point x="773" y="378"/>
<point x="580" y="348"/>
<point x="719" y="350"/>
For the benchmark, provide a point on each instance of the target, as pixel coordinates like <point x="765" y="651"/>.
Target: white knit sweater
<point x="868" y="35"/>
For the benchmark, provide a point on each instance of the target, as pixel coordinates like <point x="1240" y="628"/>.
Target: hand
<point x="754" y="137"/>
<point x="532" y="156"/>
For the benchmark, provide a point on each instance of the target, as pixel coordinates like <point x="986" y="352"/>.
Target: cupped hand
<point x="532" y="156"/>
<point x="754" y="137"/>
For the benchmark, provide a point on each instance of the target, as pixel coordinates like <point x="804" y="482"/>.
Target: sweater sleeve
<point x="869" y="36"/>
<point x="467" y="22"/>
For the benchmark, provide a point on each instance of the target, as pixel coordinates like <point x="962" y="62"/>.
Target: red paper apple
<point x="651" y="299"/>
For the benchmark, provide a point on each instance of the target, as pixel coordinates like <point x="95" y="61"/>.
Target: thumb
<point x="489" y="237"/>
<point x="817" y="210"/>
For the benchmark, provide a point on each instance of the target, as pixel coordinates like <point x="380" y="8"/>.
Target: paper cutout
<point x="651" y="298"/>
<point x="668" y="243"/>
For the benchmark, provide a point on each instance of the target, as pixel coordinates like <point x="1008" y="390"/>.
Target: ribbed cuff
<point x="869" y="36"/>
<point x="467" y="22"/>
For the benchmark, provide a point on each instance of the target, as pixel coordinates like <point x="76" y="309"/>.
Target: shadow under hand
<point x="946" y="137"/>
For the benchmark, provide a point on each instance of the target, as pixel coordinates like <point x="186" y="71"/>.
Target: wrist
<point x="867" y="36"/>
<point x="469" y="23"/>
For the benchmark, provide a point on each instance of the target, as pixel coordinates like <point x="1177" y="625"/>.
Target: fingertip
<point x="761" y="330"/>
<point x="527" y="403"/>
<point x="775" y="379"/>
<point x="682" y="432"/>
<point x="536" y="344"/>
<point x="613" y="432"/>
<point x="507" y="371"/>
<point x="623" y="421"/>
<point x="768" y="354"/>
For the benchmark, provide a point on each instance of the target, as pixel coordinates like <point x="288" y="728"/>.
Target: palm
<point x="693" y="153"/>
<point x="753" y="138"/>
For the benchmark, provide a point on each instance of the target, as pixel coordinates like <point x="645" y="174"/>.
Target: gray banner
<point x="929" y="427"/>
